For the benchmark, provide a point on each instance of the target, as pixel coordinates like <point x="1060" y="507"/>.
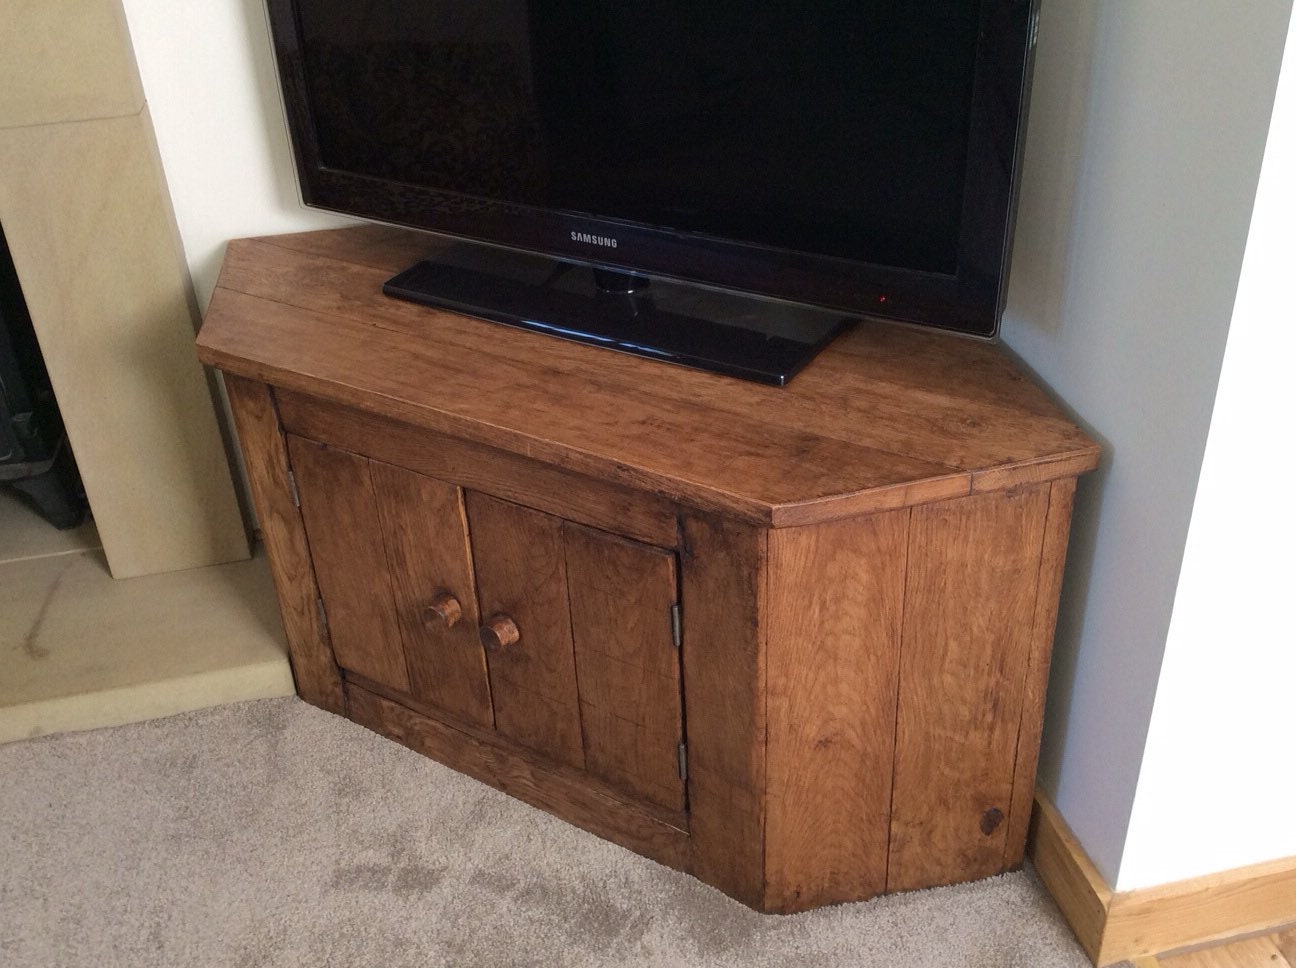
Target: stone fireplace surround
<point x="85" y="207"/>
<point x="84" y="204"/>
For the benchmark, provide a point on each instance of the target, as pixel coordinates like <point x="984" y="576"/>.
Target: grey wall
<point x="1147" y="128"/>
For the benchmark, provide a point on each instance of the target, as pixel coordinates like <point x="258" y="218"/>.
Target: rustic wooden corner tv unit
<point x="792" y="641"/>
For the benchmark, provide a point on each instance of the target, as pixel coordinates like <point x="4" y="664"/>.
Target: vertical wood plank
<point x="341" y="516"/>
<point x="836" y="599"/>
<point x="969" y="606"/>
<point x="425" y="529"/>
<point x="627" y="668"/>
<point x="723" y="577"/>
<point x="522" y="573"/>
<point x="1057" y="528"/>
<point x="261" y="440"/>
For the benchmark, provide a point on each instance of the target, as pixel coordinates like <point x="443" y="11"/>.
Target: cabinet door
<point x="425" y="530"/>
<point x="627" y="665"/>
<point x="522" y="580"/>
<point x="593" y="679"/>
<point x="390" y="551"/>
<point x="341" y="518"/>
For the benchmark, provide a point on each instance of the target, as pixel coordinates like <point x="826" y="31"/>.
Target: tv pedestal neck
<point x="792" y="641"/>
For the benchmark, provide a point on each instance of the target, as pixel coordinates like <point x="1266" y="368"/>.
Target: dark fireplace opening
<point x="35" y="459"/>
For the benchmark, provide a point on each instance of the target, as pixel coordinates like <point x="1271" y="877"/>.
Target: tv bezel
<point x="969" y="301"/>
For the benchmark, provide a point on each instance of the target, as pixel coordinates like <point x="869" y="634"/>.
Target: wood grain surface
<point x="346" y="541"/>
<point x="867" y="562"/>
<point x="1070" y="877"/>
<point x="1142" y="924"/>
<point x="265" y="454"/>
<point x="968" y="618"/>
<point x="522" y="573"/>
<point x="425" y="531"/>
<point x="723" y="573"/>
<point x="885" y="418"/>
<point x="1214" y="907"/>
<point x="1247" y="953"/>
<point x="627" y="666"/>
<point x="1052" y="563"/>
<point x="1286" y="942"/>
<point x="511" y="477"/>
<point x="836" y="600"/>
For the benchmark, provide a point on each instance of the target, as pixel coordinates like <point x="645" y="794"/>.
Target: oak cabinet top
<point x="885" y="417"/>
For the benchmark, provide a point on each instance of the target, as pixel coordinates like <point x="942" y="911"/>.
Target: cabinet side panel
<point x="1057" y="529"/>
<point x="968" y="615"/>
<point x="723" y="578"/>
<point x="426" y="533"/>
<point x="337" y="503"/>
<point x="521" y="573"/>
<point x="264" y="452"/>
<point x="627" y="667"/>
<point x="836" y="597"/>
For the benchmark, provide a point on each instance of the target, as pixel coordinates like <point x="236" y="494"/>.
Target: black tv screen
<point x="855" y="156"/>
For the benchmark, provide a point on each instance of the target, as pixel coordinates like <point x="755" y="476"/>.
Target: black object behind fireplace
<point x="35" y="459"/>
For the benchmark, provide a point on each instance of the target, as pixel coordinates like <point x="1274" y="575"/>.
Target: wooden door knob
<point x="444" y="608"/>
<point x="499" y="632"/>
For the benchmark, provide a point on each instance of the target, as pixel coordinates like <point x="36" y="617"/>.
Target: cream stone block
<point x="65" y="60"/>
<point x="87" y="216"/>
<point x="79" y="650"/>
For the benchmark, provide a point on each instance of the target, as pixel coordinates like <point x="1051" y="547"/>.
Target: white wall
<point x="1148" y="125"/>
<point x="1147" y="130"/>
<point x="209" y="79"/>
<point x="1217" y="787"/>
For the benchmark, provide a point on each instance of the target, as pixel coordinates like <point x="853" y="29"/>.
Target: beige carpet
<point x="270" y="833"/>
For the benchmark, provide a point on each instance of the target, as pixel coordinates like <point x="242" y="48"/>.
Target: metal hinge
<point x="677" y="625"/>
<point x="683" y="761"/>
<point x="292" y="486"/>
<point x="319" y="607"/>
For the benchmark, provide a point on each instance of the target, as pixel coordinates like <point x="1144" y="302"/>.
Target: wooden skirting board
<point x="1114" y="926"/>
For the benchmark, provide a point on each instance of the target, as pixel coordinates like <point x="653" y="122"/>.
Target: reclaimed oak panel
<point x="966" y="641"/>
<point x="1052" y="562"/>
<point x="627" y="666"/>
<point x="337" y="505"/>
<point x="522" y="574"/>
<point x="723" y="570"/>
<point x="265" y="455"/>
<point x="575" y="497"/>
<point x="987" y="417"/>
<point x="1005" y="417"/>
<point x="741" y="465"/>
<point x="835" y="608"/>
<point x="868" y="563"/>
<point x="425" y="530"/>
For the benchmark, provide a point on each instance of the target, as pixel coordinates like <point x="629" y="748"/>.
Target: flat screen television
<point x="742" y="178"/>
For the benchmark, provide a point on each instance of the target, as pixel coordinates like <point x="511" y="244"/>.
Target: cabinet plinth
<point x="792" y="641"/>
